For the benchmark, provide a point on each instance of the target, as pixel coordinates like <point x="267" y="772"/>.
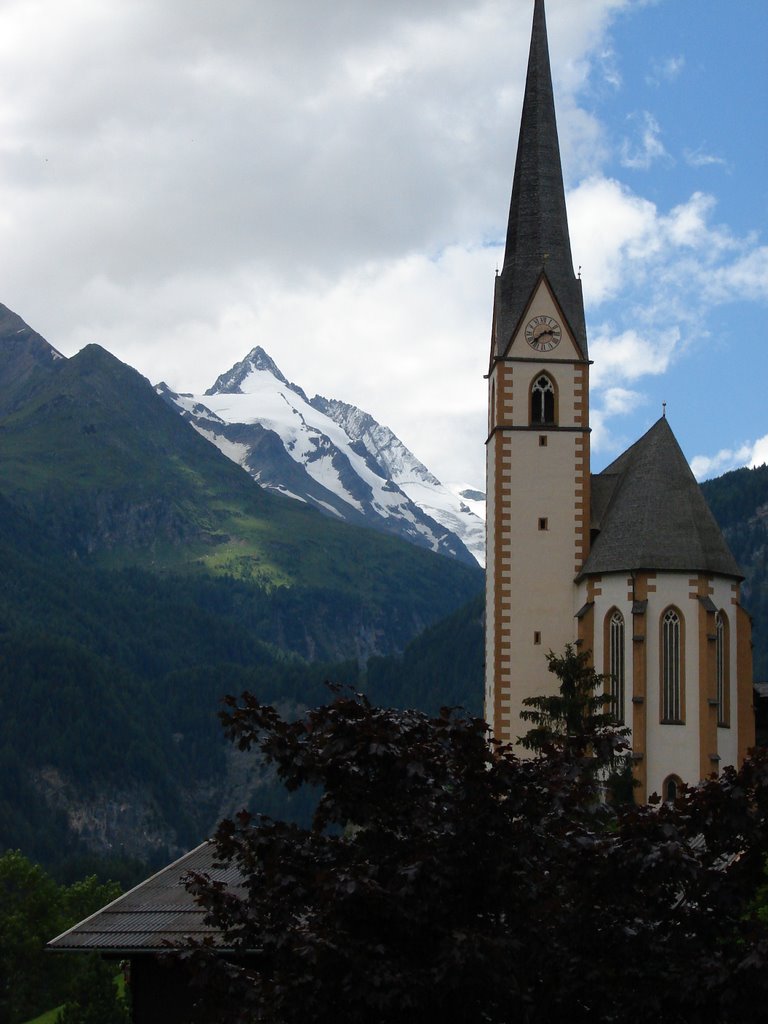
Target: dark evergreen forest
<point x="739" y="502"/>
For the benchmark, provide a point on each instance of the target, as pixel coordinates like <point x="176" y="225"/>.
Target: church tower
<point x="629" y="563"/>
<point x="538" y="424"/>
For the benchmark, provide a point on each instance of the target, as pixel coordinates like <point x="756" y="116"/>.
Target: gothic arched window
<point x="543" y="404"/>
<point x="721" y="667"/>
<point x="671" y="787"/>
<point x="671" y="667"/>
<point x="616" y="670"/>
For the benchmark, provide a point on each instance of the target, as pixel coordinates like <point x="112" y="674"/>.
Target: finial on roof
<point x="664" y="409"/>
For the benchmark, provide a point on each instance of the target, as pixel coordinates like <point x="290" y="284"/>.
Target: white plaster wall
<point x="538" y="565"/>
<point x="670" y="749"/>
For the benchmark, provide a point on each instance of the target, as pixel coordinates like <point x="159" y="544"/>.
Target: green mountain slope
<point x="142" y="576"/>
<point x="113" y="476"/>
<point x="109" y="687"/>
<point x="442" y="667"/>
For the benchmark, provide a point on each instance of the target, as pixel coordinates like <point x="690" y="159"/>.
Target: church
<point x="629" y="563"/>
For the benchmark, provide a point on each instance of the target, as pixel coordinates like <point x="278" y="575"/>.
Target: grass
<point x="46" y="1018"/>
<point x="49" y="1017"/>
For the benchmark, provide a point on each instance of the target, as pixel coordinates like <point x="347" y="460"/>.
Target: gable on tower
<point x="543" y="329"/>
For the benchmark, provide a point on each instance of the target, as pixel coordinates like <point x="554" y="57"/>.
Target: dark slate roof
<point x="156" y="910"/>
<point x="537" y="233"/>
<point x="651" y="514"/>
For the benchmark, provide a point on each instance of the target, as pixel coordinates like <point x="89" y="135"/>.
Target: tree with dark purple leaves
<point x="443" y="879"/>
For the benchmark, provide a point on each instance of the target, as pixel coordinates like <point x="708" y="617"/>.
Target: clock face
<point x="543" y="333"/>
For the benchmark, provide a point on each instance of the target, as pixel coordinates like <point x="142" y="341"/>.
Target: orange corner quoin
<point x="631" y="564"/>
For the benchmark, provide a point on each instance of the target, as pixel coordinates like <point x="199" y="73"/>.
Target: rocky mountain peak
<point x="386" y="448"/>
<point x="22" y="352"/>
<point x="330" y="455"/>
<point x="257" y="361"/>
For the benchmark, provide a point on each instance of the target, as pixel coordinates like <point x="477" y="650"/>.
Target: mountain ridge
<point x="143" y="575"/>
<point x="344" y="462"/>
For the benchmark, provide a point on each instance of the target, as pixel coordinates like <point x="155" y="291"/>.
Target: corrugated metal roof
<point x="159" y="909"/>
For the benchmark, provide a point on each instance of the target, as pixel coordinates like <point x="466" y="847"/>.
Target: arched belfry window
<point x="672" y="667"/>
<point x="616" y="670"/>
<point x="721" y="667"/>
<point x="543" y="401"/>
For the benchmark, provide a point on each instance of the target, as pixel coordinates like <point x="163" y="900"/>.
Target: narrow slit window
<point x="543" y="523"/>
<point x="616" y="665"/>
<point x="721" y="668"/>
<point x="543" y="440"/>
<point x="537" y="637"/>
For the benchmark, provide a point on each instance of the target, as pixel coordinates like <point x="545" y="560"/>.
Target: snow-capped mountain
<point x="331" y="455"/>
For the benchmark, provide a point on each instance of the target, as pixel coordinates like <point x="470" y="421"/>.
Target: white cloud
<point x="745" y="279"/>
<point x="180" y="181"/>
<point x="666" y="69"/>
<point x="651" y="279"/>
<point x="754" y="453"/>
<point x="700" y="158"/>
<point x="607" y="405"/>
<point x="608" y="223"/>
<point x="619" y="401"/>
<point x="609" y="70"/>
<point x="642" y="151"/>
<point x="759" y="454"/>
<point x="628" y="356"/>
<point x="414" y="328"/>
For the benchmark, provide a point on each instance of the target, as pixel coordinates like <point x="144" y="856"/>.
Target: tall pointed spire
<point x="537" y="233"/>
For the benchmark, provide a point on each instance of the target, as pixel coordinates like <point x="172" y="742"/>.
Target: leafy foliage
<point x="33" y="908"/>
<point x="93" y="997"/>
<point x="444" y="879"/>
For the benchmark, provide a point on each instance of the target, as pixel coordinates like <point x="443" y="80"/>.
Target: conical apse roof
<point x="650" y="514"/>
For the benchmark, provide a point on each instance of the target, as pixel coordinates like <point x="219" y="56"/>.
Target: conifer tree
<point x="578" y="722"/>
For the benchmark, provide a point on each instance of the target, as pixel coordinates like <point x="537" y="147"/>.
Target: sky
<point x="181" y="180"/>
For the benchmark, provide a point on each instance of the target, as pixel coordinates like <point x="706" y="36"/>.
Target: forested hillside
<point x="142" y="576"/>
<point x="443" y="667"/>
<point x="739" y="502"/>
